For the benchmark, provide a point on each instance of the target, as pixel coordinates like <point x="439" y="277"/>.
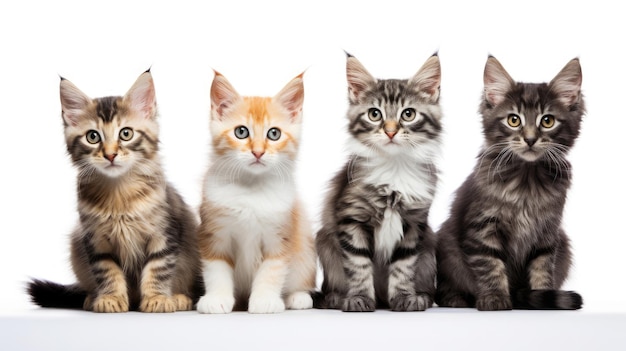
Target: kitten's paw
<point x="216" y="304"/>
<point x="299" y="301"/>
<point x="494" y="302"/>
<point x="157" y="304"/>
<point x="110" y="304"/>
<point x="183" y="302"/>
<point x="417" y="302"/>
<point x="266" y="304"/>
<point x="455" y="301"/>
<point x="359" y="303"/>
<point x="333" y="300"/>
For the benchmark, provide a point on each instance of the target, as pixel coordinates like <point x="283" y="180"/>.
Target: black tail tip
<point x="318" y="299"/>
<point x="48" y="294"/>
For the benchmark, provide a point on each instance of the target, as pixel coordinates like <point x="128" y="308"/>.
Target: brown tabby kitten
<point x="134" y="246"/>
<point x="503" y="246"/>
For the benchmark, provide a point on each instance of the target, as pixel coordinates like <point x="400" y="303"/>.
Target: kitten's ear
<point x="141" y="96"/>
<point x="291" y="98"/>
<point x="73" y="101"/>
<point x="497" y="82"/>
<point x="359" y="79"/>
<point x="223" y="95"/>
<point x="428" y="79"/>
<point x="567" y="83"/>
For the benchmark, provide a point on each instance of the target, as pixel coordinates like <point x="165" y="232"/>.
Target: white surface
<point x="259" y="47"/>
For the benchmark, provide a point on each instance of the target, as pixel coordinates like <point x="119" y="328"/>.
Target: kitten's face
<point x="391" y="116"/>
<point x="256" y="135"/>
<point x="532" y="121"/>
<point x="110" y="135"/>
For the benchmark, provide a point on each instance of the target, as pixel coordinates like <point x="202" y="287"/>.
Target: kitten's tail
<point x="547" y="300"/>
<point x="49" y="294"/>
<point x="319" y="299"/>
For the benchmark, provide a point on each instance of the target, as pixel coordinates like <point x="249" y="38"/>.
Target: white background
<point x="259" y="47"/>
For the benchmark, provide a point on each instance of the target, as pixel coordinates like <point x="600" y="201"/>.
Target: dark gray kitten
<point x="375" y="246"/>
<point x="503" y="246"/>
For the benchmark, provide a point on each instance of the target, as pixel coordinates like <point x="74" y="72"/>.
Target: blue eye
<point x="273" y="134"/>
<point x="241" y="132"/>
<point x="93" y="137"/>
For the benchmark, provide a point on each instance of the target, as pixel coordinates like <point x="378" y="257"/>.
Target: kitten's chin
<point x="529" y="155"/>
<point x="113" y="170"/>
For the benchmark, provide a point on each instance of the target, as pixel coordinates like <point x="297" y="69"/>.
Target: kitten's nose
<point x="110" y="157"/>
<point x="258" y="154"/>
<point x="530" y="141"/>
<point x="391" y="134"/>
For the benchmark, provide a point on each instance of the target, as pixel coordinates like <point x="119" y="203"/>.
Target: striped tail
<point x="49" y="294"/>
<point x="547" y="300"/>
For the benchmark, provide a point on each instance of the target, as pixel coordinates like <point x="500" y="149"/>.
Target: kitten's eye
<point x="93" y="137"/>
<point x="273" y="134"/>
<point x="375" y="115"/>
<point x="514" y="120"/>
<point x="408" y="114"/>
<point x="547" y="121"/>
<point x="126" y="134"/>
<point x="241" y="132"/>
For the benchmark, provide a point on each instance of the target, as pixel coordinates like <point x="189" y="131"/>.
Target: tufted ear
<point x="291" y="98"/>
<point x="359" y="79"/>
<point x="141" y="96"/>
<point x="567" y="83"/>
<point x="73" y="102"/>
<point x="223" y="96"/>
<point x="428" y="79"/>
<point x="497" y="82"/>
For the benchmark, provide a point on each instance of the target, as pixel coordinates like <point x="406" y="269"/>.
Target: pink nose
<point x="390" y="134"/>
<point x="110" y="157"/>
<point x="258" y="154"/>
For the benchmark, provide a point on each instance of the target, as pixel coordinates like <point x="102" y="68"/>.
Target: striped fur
<point x="375" y="246"/>
<point x="134" y="246"/>
<point x="255" y="242"/>
<point x="502" y="246"/>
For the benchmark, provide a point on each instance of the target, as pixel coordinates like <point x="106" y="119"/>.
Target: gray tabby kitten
<point x="376" y="248"/>
<point x="135" y="245"/>
<point x="503" y="246"/>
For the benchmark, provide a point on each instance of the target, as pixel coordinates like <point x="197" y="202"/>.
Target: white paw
<point x="299" y="301"/>
<point x="266" y="304"/>
<point x="216" y="304"/>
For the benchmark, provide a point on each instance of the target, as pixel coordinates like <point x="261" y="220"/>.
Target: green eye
<point x="273" y="134"/>
<point x="408" y="114"/>
<point x="514" y="120"/>
<point x="241" y="132"/>
<point x="126" y="134"/>
<point x="374" y="114"/>
<point x="547" y="121"/>
<point x="93" y="137"/>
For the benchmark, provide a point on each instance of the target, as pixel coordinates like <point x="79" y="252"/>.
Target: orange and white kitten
<point x="256" y="244"/>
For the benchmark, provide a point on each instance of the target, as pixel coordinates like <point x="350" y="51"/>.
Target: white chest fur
<point x="252" y="217"/>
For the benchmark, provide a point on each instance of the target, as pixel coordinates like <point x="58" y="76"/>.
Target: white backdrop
<point x="259" y="47"/>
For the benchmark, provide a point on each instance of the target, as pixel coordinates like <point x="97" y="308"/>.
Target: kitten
<point x="135" y="245"/>
<point x="502" y="246"/>
<point x="256" y="244"/>
<point x="376" y="247"/>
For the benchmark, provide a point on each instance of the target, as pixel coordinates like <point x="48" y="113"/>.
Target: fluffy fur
<point x="503" y="246"/>
<point x="135" y="245"/>
<point x="256" y="244"/>
<point x="375" y="246"/>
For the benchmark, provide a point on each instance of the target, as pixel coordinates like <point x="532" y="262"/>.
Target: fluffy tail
<point x="547" y="300"/>
<point x="319" y="299"/>
<point x="49" y="294"/>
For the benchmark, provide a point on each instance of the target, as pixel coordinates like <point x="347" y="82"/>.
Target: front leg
<point x="267" y="286"/>
<point x="156" y="282"/>
<point x="541" y="270"/>
<point x="412" y="272"/>
<point x="111" y="290"/>
<point x="358" y="268"/>
<point x="484" y="256"/>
